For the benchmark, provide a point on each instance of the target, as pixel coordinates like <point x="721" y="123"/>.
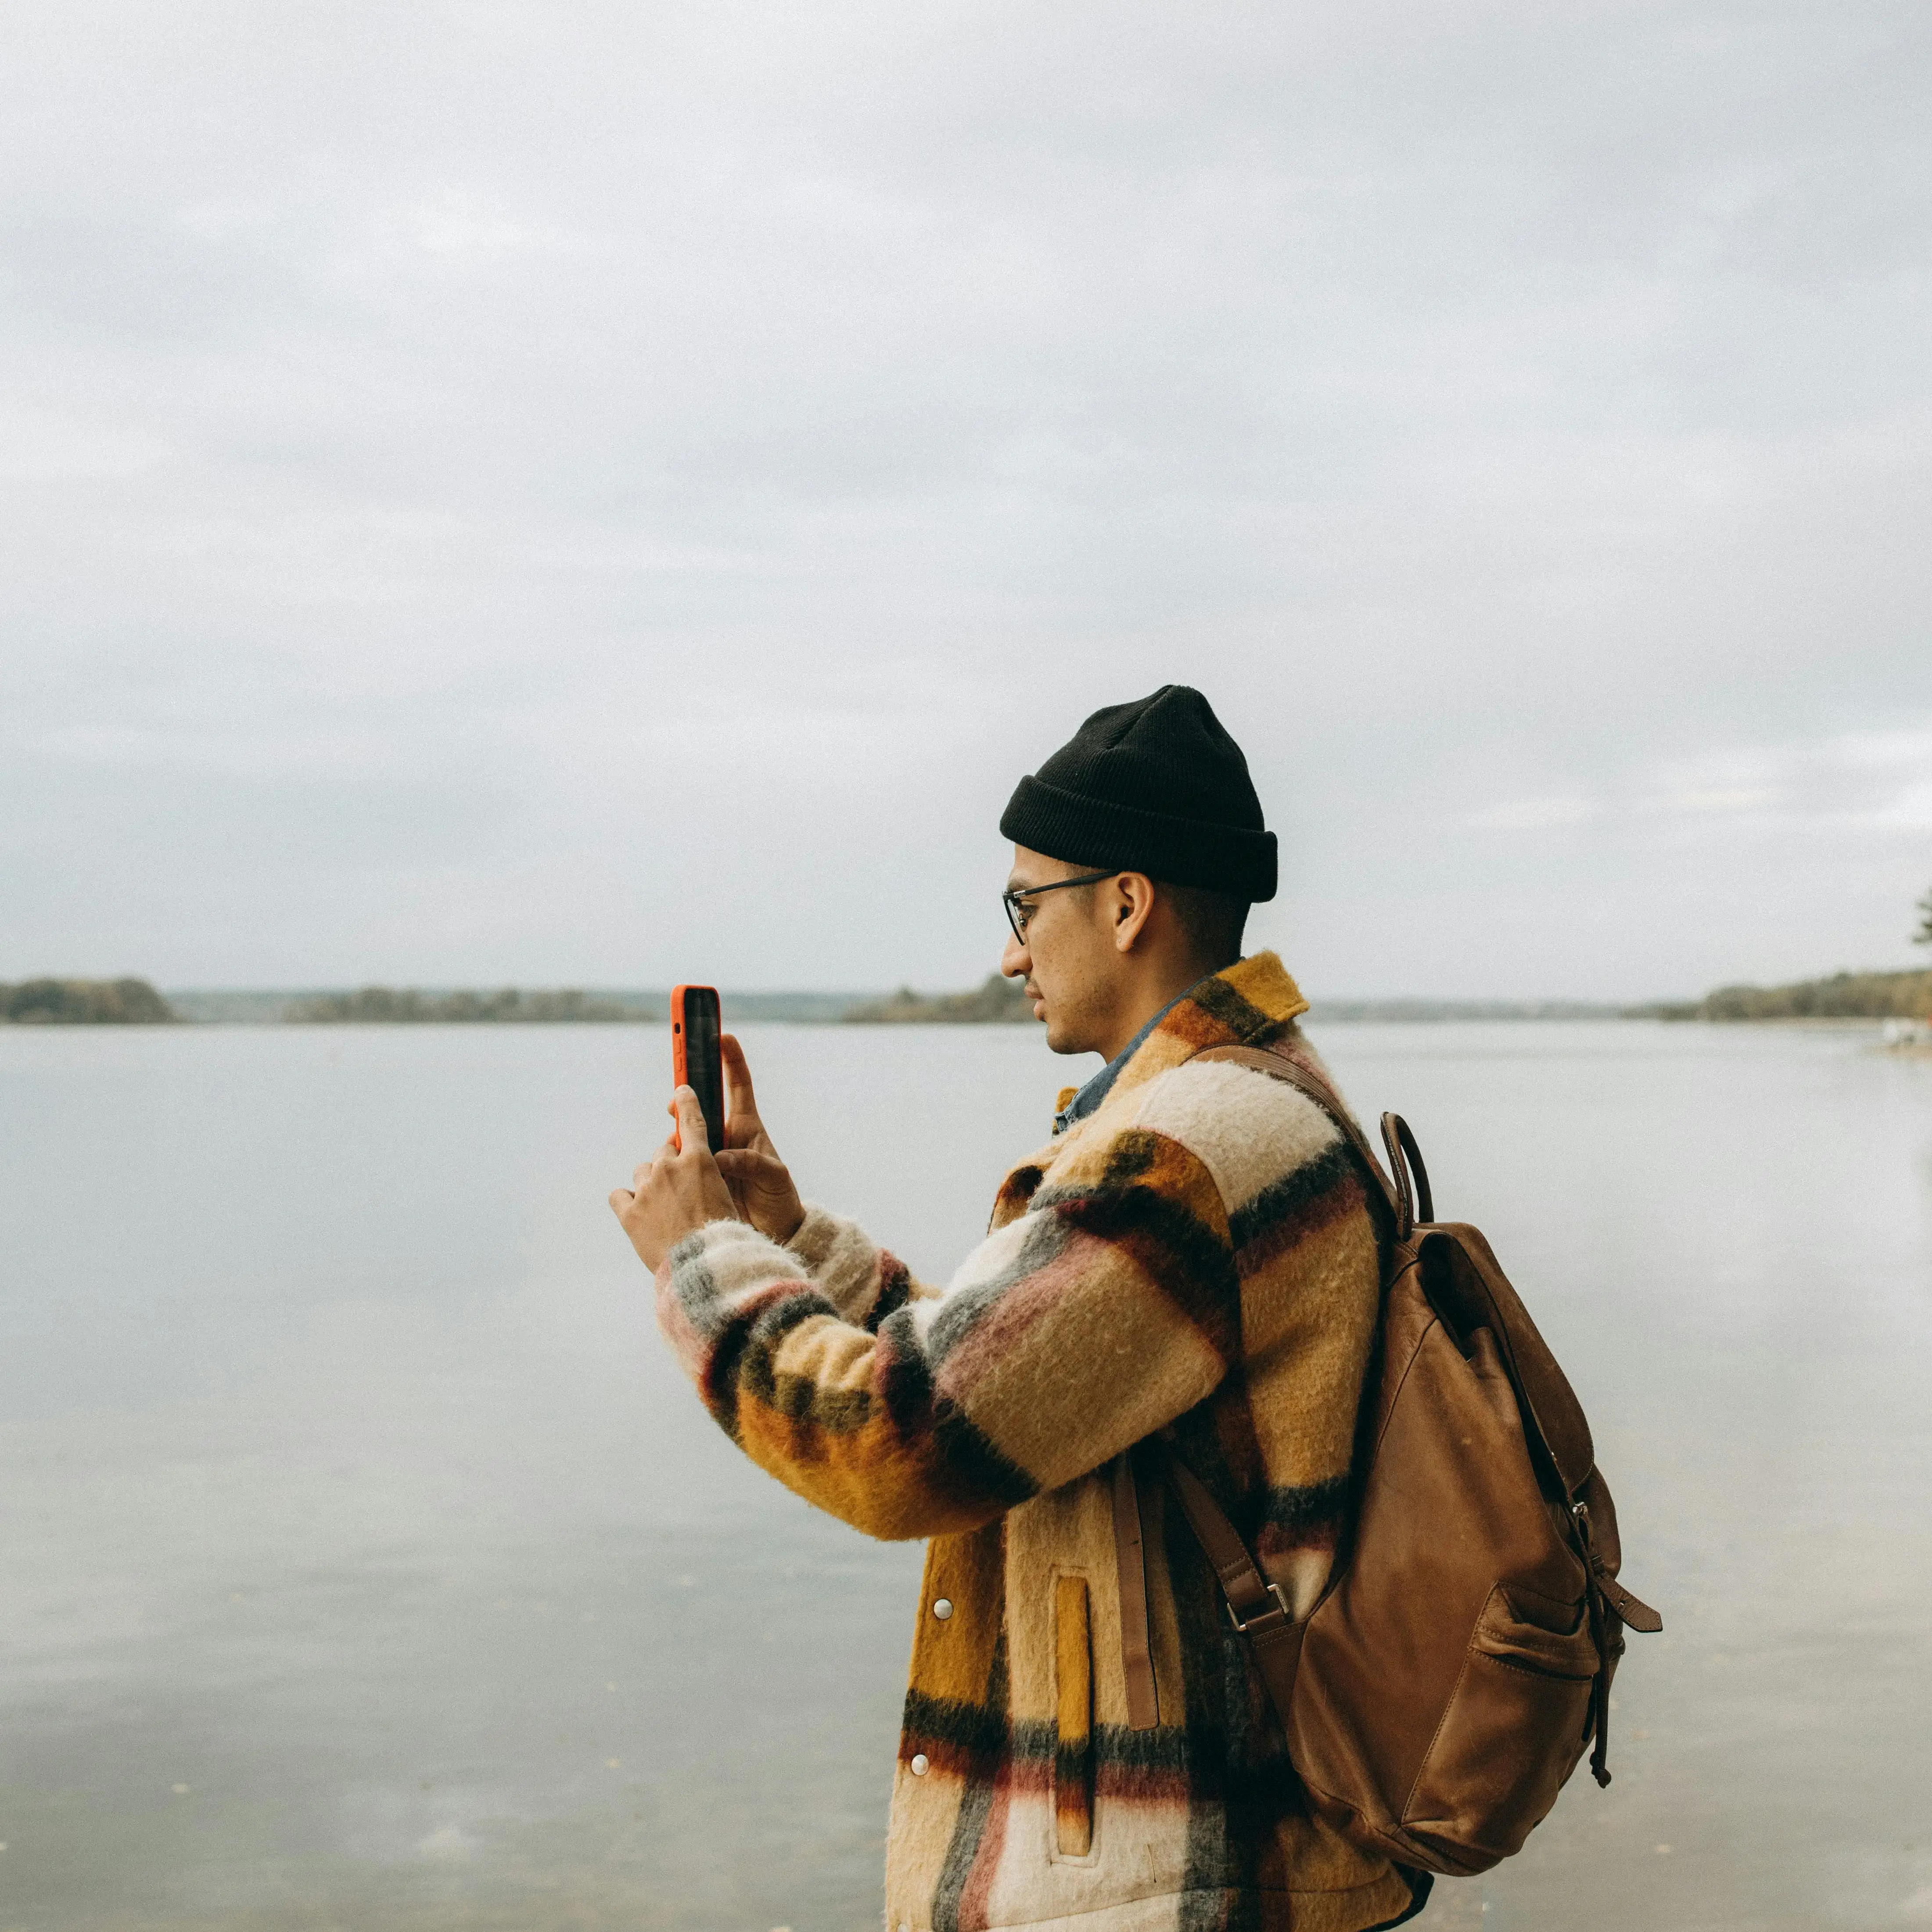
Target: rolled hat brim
<point x="1084" y="831"/>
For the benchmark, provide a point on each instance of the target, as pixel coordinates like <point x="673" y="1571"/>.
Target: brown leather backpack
<point x="1441" y="1693"/>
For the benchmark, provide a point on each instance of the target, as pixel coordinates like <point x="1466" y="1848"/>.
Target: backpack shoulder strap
<point x="1278" y="1065"/>
<point x="1256" y="1607"/>
<point x="1554" y="1410"/>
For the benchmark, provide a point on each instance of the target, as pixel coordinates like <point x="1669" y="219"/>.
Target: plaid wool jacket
<point x="1201" y="1256"/>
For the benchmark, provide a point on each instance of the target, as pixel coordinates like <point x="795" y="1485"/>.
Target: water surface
<point x="367" y="1565"/>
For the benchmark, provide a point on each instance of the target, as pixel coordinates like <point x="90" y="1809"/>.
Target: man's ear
<point x="1133" y="903"/>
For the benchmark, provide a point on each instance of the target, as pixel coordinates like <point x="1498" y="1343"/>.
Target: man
<point x="1195" y="1252"/>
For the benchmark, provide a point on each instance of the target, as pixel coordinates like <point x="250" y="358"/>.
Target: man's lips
<point x="1038" y="998"/>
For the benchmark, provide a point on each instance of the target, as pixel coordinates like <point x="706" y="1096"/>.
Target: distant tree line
<point x="83" y="1003"/>
<point x="997" y="1000"/>
<point x="389" y="1005"/>
<point x="129" y="1002"/>
<point x="1844" y="996"/>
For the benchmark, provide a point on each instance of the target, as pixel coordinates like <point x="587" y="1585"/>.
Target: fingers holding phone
<point x="695" y="1028"/>
<point x="762" y="1191"/>
<point x="742" y="1126"/>
<point x="761" y="1182"/>
<point x="676" y="1194"/>
<point x="710" y="1062"/>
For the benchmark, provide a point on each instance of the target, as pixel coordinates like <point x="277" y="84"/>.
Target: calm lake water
<point x="364" y="1564"/>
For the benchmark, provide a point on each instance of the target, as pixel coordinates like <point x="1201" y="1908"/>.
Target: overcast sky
<point x="587" y="494"/>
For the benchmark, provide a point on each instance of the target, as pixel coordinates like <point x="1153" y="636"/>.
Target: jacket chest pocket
<point x="1073" y="1717"/>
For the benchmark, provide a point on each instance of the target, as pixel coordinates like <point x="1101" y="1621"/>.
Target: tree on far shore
<point x="48" y="1002"/>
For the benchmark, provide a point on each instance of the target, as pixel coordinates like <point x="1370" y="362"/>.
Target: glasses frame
<point x="1011" y="898"/>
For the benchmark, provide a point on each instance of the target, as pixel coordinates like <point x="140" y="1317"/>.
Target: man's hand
<point x="760" y="1184"/>
<point x="676" y="1194"/>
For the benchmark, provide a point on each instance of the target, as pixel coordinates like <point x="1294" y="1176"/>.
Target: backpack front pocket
<point x="1513" y="1729"/>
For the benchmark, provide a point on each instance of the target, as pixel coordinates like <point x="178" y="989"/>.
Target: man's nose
<point x="1016" y="962"/>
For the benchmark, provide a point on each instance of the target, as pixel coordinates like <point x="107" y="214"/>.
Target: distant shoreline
<point x="1841" y="999"/>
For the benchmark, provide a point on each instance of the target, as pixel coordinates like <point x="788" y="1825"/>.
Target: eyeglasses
<point x="1019" y="915"/>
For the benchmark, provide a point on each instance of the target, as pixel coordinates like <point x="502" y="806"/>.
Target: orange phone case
<point x="680" y="1068"/>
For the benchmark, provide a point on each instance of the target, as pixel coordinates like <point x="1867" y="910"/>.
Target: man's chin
<point x="1062" y="1033"/>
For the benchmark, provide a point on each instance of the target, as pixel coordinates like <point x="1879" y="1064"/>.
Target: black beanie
<point x="1155" y="786"/>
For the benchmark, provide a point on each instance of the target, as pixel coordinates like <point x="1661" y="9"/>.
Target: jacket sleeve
<point x="1108" y="1308"/>
<point x="863" y="1283"/>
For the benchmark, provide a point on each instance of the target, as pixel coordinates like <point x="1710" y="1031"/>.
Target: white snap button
<point x="919" y="1765"/>
<point x="943" y="1609"/>
<point x="903" y="1927"/>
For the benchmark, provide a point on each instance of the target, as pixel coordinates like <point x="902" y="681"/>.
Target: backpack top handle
<point x="1415" y="1206"/>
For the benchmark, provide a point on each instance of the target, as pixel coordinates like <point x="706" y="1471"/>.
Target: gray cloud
<point x="553" y="493"/>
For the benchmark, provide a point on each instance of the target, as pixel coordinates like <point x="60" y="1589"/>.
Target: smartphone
<point x="696" y="1061"/>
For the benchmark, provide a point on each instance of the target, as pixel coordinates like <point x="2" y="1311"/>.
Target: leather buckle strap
<point x="1256" y="1606"/>
<point x="1632" y="1610"/>
<point x="1130" y="1561"/>
<point x="1259" y="1620"/>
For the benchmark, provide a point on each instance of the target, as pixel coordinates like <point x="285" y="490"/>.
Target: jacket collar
<point x="1248" y="1003"/>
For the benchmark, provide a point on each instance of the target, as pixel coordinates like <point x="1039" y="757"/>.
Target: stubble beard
<point x="1068" y="1022"/>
